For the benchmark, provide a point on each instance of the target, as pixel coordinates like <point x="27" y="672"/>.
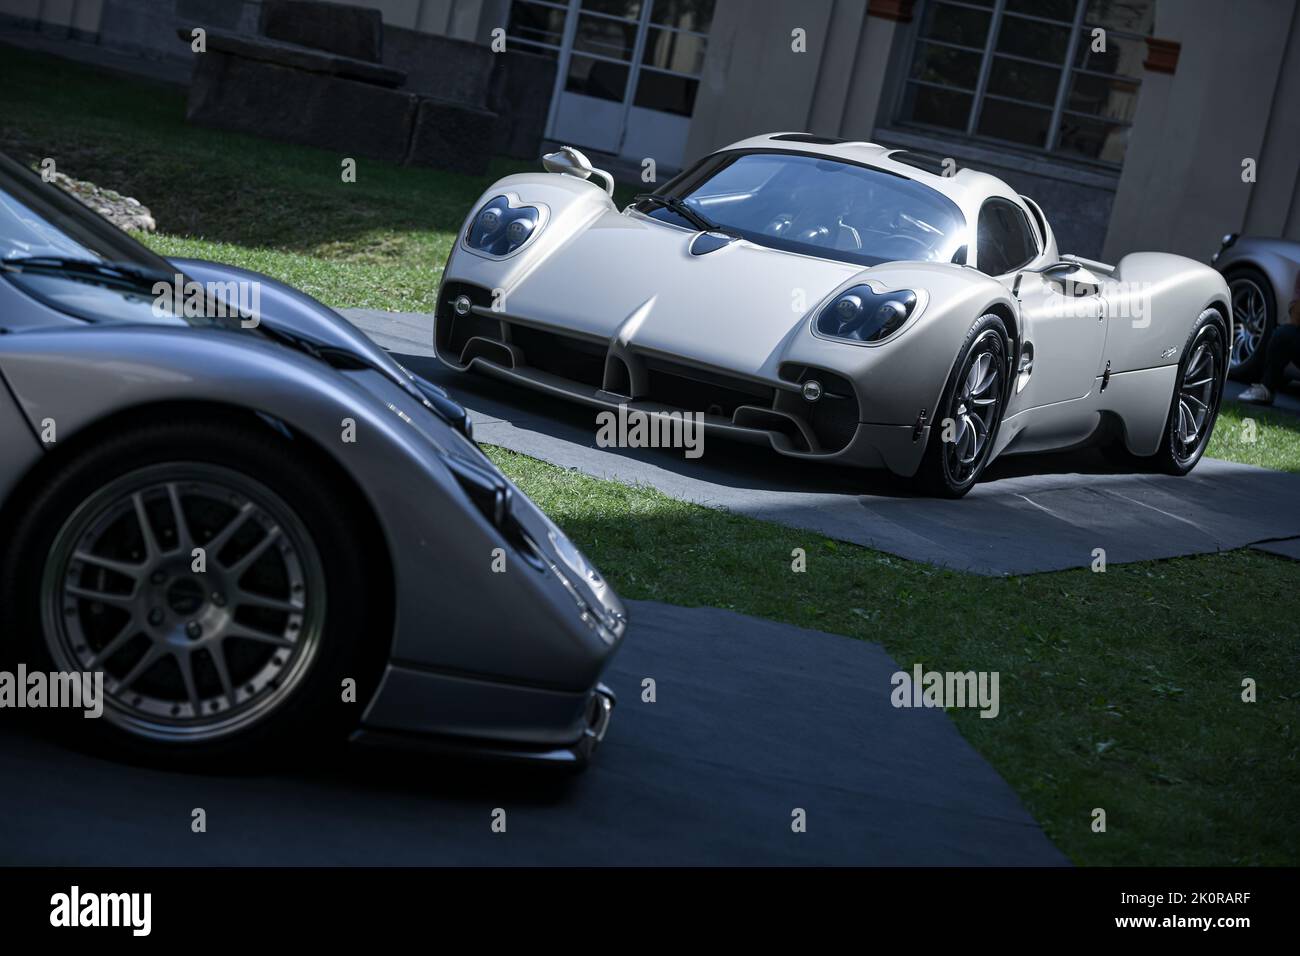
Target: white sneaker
<point x="1257" y="394"/>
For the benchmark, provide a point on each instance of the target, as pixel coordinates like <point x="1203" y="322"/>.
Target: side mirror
<point x="572" y="162"/>
<point x="1075" y="279"/>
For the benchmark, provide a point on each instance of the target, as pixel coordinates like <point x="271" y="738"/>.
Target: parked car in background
<point x="839" y="302"/>
<point x="1261" y="275"/>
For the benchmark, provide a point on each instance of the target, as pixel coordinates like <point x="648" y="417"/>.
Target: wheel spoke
<point x="150" y="658"/>
<point x="222" y="537"/>
<point x="1186" y="423"/>
<point x="151" y="547"/>
<point x="255" y="552"/>
<point x="123" y="568"/>
<point x="184" y="540"/>
<point x="249" y="599"/>
<point x="185" y="662"/>
<point x="249" y="634"/>
<point x="112" y="647"/>
<point x="223" y="672"/>
<point x="102" y="597"/>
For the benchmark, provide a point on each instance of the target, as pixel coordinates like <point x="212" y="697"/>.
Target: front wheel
<point x="210" y="576"/>
<point x="970" y="411"/>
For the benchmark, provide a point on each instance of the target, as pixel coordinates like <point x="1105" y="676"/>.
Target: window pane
<point x="694" y="15"/>
<point x="1123" y="56"/>
<point x="535" y="23"/>
<point x="947" y="108"/>
<point x="670" y="50"/>
<point x="1014" y="123"/>
<point x="1093" y="139"/>
<point x="628" y="9"/>
<point x="1109" y="99"/>
<point x="1024" y="81"/>
<point x="1038" y="41"/>
<point x="1051" y="9"/>
<point x="1005" y="241"/>
<point x="665" y="92"/>
<point x="612" y="38"/>
<point x="598" y="78"/>
<point x="944" y="65"/>
<point x="1132" y="16"/>
<point x="943" y="21"/>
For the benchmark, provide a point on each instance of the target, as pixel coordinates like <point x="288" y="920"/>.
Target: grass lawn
<point x="1119" y="690"/>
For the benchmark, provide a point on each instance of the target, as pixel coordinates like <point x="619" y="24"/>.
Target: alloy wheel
<point x="1198" y="394"/>
<point x="974" y="411"/>
<point x="1250" y="320"/>
<point x="195" y="589"/>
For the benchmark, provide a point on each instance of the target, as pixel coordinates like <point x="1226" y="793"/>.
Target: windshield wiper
<point x="121" y="273"/>
<point x="680" y="207"/>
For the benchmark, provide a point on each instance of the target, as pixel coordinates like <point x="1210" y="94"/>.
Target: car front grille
<point x="826" y="426"/>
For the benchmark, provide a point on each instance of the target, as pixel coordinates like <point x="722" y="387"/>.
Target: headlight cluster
<point x="499" y="228"/>
<point x="864" y="315"/>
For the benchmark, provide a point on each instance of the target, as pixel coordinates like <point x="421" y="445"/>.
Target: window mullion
<point x="1067" y="74"/>
<point x="986" y="65"/>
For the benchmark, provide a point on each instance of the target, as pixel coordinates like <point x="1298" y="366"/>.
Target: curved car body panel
<point x="617" y="308"/>
<point x="501" y="658"/>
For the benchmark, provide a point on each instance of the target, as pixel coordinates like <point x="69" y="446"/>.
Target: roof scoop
<point x="573" y="162"/>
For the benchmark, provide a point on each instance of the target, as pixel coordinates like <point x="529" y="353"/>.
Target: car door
<point x="1061" y="308"/>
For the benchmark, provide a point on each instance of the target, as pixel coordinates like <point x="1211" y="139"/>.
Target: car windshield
<point x="816" y="206"/>
<point x="67" y="257"/>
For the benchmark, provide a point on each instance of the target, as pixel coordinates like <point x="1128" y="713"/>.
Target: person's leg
<point x="1283" y="348"/>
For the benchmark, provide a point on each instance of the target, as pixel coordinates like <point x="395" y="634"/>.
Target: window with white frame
<point x="606" y="38"/>
<point x="1060" y="76"/>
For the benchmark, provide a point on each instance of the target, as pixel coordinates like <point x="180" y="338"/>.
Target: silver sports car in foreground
<point x="256" y="526"/>
<point x="841" y="302"/>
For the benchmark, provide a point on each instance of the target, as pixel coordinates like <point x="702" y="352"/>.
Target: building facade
<point x="1136" y="124"/>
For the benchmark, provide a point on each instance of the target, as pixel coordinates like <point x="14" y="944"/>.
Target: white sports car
<point x="841" y="302"/>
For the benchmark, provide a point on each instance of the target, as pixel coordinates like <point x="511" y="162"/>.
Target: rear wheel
<point x="201" y="569"/>
<point x="1198" y="392"/>
<point x="1253" y="318"/>
<point x="970" y="411"/>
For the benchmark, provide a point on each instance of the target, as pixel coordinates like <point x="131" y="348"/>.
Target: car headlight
<point x="861" y="314"/>
<point x="499" y="228"/>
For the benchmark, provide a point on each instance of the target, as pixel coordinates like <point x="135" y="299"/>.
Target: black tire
<point x="943" y="472"/>
<point x="1175" y="456"/>
<point x="1247" y="285"/>
<point x="294" y="699"/>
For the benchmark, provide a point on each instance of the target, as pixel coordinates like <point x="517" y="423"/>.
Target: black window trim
<point x="1032" y="232"/>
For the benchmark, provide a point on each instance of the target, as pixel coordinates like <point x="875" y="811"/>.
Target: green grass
<point x="1119" y="690"/>
<point x="1256" y="436"/>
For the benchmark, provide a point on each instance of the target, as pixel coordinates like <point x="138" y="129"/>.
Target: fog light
<point x="462" y="305"/>
<point x="812" y="390"/>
